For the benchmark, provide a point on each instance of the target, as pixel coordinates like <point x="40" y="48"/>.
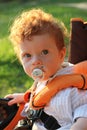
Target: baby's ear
<point x="78" y="41"/>
<point x="62" y="54"/>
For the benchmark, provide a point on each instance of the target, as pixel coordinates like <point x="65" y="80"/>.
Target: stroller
<point x="10" y="115"/>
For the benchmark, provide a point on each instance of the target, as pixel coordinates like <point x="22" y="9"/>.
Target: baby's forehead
<point x="39" y="42"/>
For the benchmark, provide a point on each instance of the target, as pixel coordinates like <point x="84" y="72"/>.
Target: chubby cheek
<point x="51" y="71"/>
<point x="53" y="67"/>
<point x="27" y="69"/>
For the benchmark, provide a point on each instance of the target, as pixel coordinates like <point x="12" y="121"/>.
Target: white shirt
<point x="66" y="106"/>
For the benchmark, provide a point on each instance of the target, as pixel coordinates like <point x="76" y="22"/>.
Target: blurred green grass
<point x="12" y="76"/>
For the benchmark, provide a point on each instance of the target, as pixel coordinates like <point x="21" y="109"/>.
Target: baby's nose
<point x="36" y="60"/>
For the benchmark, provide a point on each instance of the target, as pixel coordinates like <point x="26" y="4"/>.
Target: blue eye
<point x="45" y="52"/>
<point x="26" y="55"/>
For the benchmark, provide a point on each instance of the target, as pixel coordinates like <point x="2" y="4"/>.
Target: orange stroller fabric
<point x="77" y="79"/>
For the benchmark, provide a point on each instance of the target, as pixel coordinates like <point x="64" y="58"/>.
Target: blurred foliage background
<point x="12" y="77"/>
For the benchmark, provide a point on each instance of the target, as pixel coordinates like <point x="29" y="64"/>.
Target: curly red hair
<point x="36" y="22"/>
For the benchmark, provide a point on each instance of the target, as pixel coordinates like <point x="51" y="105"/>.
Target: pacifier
<point x="37" y="73"/>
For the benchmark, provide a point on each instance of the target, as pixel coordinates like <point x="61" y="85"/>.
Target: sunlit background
<point x="12" y="77"/>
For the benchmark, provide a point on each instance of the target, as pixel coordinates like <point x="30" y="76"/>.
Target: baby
<point x="38" y="40"/>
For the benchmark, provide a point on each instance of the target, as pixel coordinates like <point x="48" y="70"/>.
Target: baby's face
<point x="42" y="53"/>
